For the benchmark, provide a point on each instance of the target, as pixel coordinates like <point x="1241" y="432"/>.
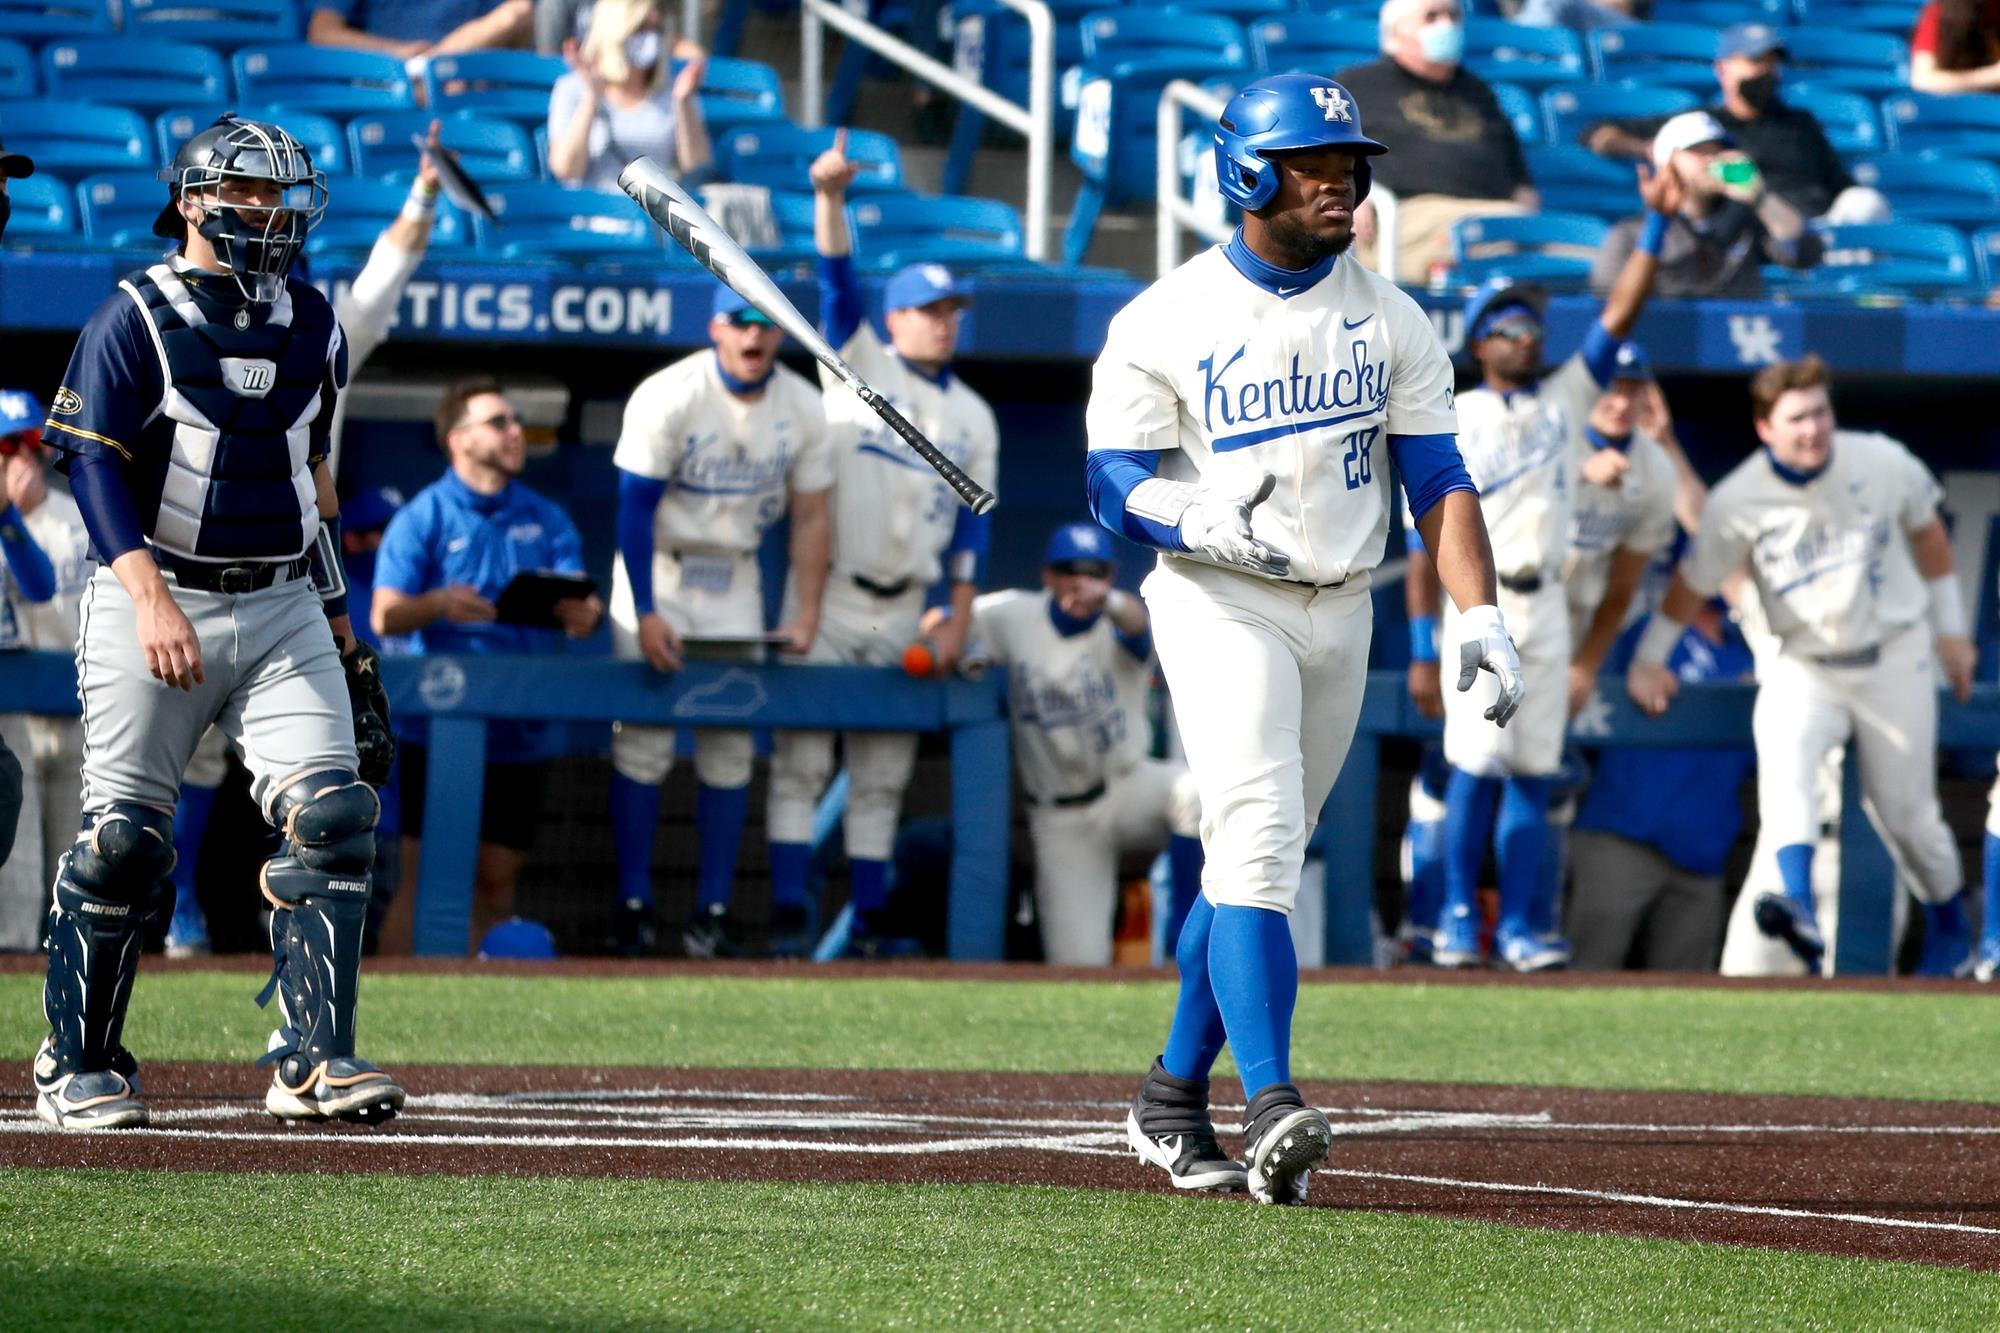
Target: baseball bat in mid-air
<point x="703" y="237"/>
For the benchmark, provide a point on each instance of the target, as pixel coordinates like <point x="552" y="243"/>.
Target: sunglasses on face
<point x="747" y="319"/>
<point x="1090" y="569"/>
<point x="498" y="421"/>
<point x="1516" y="332"/>
<point x="21" y="442"/>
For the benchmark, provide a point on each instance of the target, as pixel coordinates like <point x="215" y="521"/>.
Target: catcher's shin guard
<point x="109" y="881"/>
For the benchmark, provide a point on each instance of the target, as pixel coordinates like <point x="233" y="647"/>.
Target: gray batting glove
<point x="1486" y="647"/>
<point x="1216" y="524"/>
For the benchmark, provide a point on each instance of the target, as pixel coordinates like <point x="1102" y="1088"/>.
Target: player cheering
<point x="194" y="415"/>
<point x="1841" y="535"/>
<point x="1273" y="358"/>
<point x="1524" y="437"/>
<point x="897" y="526"/>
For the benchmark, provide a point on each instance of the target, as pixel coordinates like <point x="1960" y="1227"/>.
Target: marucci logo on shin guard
<point x="360" y="886"/>
<point x="104" y="909"/>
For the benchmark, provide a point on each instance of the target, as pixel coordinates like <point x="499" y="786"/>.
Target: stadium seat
<point x="118" y="208"/>
<point x="540" y="220"/>
<point x="1852" y="122"/>
<point x="1113" y="36"/>
<point x="893" y="230"/>
<point x="1572" y="109"/>
<point x="739" y="92"/>
<point x="176" y="126"/>
<point x="44" y="213"/>
<point x="1968" y="126"/>
<point x="358" y="209"/>
<point x="36" y="21"/>
<point x="792" y="210"/>
<point x="1865" y="16"/>
<point x="1317" y="42"/>
<point x="76" y="138"/>
<point x="488" y="149"/>
<point x="1508" y="52"/>
<point x="1243" y="11"/>
<point x="1963" y="191"/>
<point x="17" y="70"/>
<point x="322" y="135"/>
<point x="990" y="41"/>
<point x="1521" y="110"/>
<point x="1718" y="14"/>
<point x="1550" y="248"/>
<point x="1658" y="54"/>
<point x="513" y="85"/>
<point x="226" y="24"/>
<point x="321" y="78"/>
<point x="133" y="71"/>
<point x="1572" y="179"/>
<point x="1832" y="57"/>
<point x="777" y="157"/>
<point x="1986" y="256"/>
<point x="1905" y="258"/>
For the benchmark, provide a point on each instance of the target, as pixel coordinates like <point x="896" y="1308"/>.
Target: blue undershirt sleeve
<point x="1109" y="477"/>
<point x="638" y="498"/>
<point x="1431" y="469"/>
<point x="841" y="308"/>
<point x="1140" y="645"/>
<point x="1600" y="353"/>
<point x="33" y="574"/>
<point x="97" y="483"/>
<point x="971" y="539"/>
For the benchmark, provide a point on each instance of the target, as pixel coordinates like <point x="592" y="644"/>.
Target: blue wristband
<point x="1423" y="638"/>
<point x="1654" y="234"/>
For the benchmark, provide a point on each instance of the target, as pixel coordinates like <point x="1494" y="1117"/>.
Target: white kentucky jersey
<point x="1635" y="515"/>
<point x="1228" y="379"/>
<point x="893" y="515"/>
<point x="1076" y="703"/>
<point x="58" y="529"/>
<point x="1831" y="557"/>
<point x="729" y="463"/>
<point x="1522" y="450"/>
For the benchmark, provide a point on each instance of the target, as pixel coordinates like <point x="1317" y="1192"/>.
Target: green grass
<point x="1830" y="1042"/>
<point x="258" y="1252"/>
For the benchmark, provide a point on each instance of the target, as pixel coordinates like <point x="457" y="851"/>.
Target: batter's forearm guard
<point x="329" y="576"/>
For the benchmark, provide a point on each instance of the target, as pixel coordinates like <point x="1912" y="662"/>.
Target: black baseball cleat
<point x="633" y="933"/>
<point x="791" y="933"/>
<point x="1780" y="917"/>
<point x="712" y="933"/>
<point x="1283" y="1140"/>
<point x="342" y="1088"/>
<point x="1169" y="1126"/>
<point x="99" y="1099"/>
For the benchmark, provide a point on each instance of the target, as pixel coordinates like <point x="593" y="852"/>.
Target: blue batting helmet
<point x="1279" y="112"/>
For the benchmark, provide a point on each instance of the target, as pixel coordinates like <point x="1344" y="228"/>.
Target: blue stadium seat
<point x="358" y="209"/>
<point x="777" y="156"/>
<point x="174" y="127"/>
<point x="893" y="230"/>
<point x="1986" y="258"/>
<point x="1904" y="258"/>
<point x="41" y="20"/>
<point x="792" y="210"/>
<point x="513" y="85"/>
<point x="540" y="220"/>
<point x="1968" y="125"/>
<point x="488" y="149"/>
<point x="133" y="71"/>
<point x="739" y="92"/>
<point x="1934" y="189"/>
<point x="1658" y="54"/>
<point x="1868" y="16"/>
<point x="1243" y="11"/>
<point x="321" y="78"/>
<point x="991" y="41"/>
<point x="227" y="24"/>
<point x="118" y="208"/>
<point x="1112" y="36"/>
<point x="1719" y="14"/>
<point x="1852" y="121"/>
<point x="1348" y="11"/>
<point x="1550" y="248"/>
<point x="76" y="138"/>
<point x="1572" y="109"/>
<point x="1508" y="52"/>
<point x="44" y="214"/>
<point x="17" y="70"/>
<point x="1572" y="179"/>
<point x="322" y="135"/>
<point x="1832" y="57"/>
<point x="1522" y="112"/>
<point x="1317" y="42"/>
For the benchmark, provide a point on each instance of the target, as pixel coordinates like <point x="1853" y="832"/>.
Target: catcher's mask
<point x="258" y="241"/>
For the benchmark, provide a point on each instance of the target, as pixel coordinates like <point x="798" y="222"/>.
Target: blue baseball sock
<point x="635" y="812"/>
<point x="1519" y="837"/>
<point x="790" y="864"/>
<point x="1795" y="869"/>
<point x="1255" y="975"/>
<point x="1468" y="827"/>
<point x="1945" y="922"/>
<point x="190" y="827"/>
<point x="719" y="813"/>
<point x="867" y="889"/>
<point x="1184" y="862"/>
<point x="1196" y="1036"/>
<point x="1990" y="930"/>
<point x="1426" y="899"/>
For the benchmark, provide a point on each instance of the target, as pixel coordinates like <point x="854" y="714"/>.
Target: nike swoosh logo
<point x="1356" y="324"/>
<point x="458" y="543"/>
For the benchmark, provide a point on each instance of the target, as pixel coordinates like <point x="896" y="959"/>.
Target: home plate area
<point x="1917" y="1181"/>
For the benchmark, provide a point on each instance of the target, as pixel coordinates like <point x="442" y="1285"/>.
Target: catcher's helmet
<point x="257" y="241"/>
<point x="1279" y="112"/>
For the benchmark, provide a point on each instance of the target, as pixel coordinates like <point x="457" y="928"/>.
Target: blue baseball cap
<point x="728" y="301"/>
<point x="1079" y="541"/>
<point x="365" y="511"/>
<point x="1629" y="362"/>
<point x="1749" y="39"/>
<point x="518" y="938"/>
<point x="921" y="284"/>
<point x="19" y="410"/>
<point x="1498" y="298"/>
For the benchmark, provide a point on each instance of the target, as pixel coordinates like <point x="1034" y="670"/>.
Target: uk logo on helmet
<point x="1333" y="104"/>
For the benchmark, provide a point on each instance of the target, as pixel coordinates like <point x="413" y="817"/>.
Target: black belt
<point x="238" y="577"/>
<point x="1066" y="802"/>
<point x="1522" y="583"/>
<point x="1860" y="657"/>
<point x="869" y="585"/>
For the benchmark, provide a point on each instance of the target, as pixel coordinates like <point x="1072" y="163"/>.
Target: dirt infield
<point x="1890" y="1180"/>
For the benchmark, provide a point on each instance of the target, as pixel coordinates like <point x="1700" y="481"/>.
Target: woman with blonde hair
<point x="616" y="104"/>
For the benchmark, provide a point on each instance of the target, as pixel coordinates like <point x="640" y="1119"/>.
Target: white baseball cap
<point x="1687" y="130"/>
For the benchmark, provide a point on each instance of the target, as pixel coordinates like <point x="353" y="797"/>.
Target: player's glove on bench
<point x="374" y="747"/>
<point x="1486" y="647"/>
<point x="1214" y="524"/>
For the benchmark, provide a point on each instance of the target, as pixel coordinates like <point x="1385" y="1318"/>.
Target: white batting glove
<point x="1486" y="647"/>
<point x="1217" y="524"/>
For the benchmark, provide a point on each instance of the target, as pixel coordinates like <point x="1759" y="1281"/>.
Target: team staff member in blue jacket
<point x="444" y="559"/>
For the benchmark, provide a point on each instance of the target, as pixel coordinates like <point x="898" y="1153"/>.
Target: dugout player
<point x="1842" y="539"/>
<point x="897" y="528"/>
<point x="1234" y="423"/>
<point x="194" y="415"/>
<point x="715" y="449"/>
<point x="1523" y="436"/>
<point x="13" y="166"/>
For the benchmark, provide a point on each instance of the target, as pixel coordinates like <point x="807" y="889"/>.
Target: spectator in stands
<point x="443" y="561"/>
<point x="1452" y="151"/>
<point x="12" y="166"/>
<point x="1786" y="143"/>
<point x="1724" y="226"/>
<point x="1582" y="16"/>
<point x="1956" y="47"/>
<point x="615" y="103"/>
<point x="409" y="29"/>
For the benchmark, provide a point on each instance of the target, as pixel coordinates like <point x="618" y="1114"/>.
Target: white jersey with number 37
<point x="1228" y="379"/>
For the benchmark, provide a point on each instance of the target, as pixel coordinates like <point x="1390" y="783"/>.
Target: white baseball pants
<point x="1531" y="744"/>
<point x="698" y="594"/>
<point x="1077" y="849"/>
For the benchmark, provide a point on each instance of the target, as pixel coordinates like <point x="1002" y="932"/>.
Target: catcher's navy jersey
<point x="218" y="409"/>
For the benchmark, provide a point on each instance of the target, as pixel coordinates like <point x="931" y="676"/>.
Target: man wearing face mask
<point x="1799" y="165"/>
<point x="1452" y="151"/>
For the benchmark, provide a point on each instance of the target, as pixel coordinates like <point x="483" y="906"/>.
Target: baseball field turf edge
<point x="1926" y="1046"/>
<point x="216" y="1252"/>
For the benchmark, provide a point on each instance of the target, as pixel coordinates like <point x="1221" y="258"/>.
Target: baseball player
<point x="897" y="528"/>
<point x="1234" y="423"/>
<point x="1079" y="659"/>
<point x="194" y="417"/>
<point x="1847" y="554"/>
<point x="715" y="449"/>
<point x="1523" y="438"/>
<point x="13" y="166"/>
